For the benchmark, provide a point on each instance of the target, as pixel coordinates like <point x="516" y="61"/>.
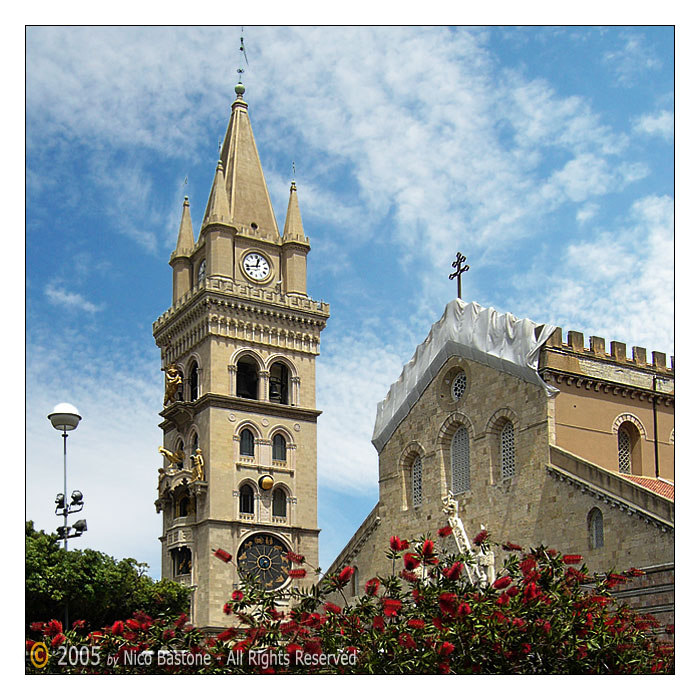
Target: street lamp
<point x="66" y="418"/>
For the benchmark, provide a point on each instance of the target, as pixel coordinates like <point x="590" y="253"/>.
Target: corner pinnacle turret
<point x="293" y="227"/>
<point x="185" y="236"/>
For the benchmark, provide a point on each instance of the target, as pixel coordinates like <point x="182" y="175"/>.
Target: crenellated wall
<point x="602" y="392"/>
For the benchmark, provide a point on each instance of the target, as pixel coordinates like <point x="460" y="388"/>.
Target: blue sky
<point x="544" y="154"/>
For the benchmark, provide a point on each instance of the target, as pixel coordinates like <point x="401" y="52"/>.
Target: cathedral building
<point x="541" y="441"/>
<point x="238" y="348"/>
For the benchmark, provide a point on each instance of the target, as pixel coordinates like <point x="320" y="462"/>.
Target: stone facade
<point x="244" y="336"/>
<point x="541" y="470"/>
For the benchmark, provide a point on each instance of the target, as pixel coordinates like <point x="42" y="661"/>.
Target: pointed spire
<point x="219" y="206"/>
<point x="293" y="228"/>
<point x="185" y="237"/>
<point x="244" y="183"/>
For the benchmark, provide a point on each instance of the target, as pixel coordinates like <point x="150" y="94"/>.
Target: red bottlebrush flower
<point x="397" y="544"/>
<point x="582" y="652"/>
<point x="530" y="592"/>
<point x="513" y="591"/>
<point x="391" y="607"/>
<point x="296" y="558"/>
<point x="437" y="623"/>
<point x="223" y="555"/>
<point x="417" y="595"/>
<point x="36" y="627"/>
<point x="129" y="635"/>
<point x="446" y="648"/>
<point x="378" y="623"/>
<point x="58" y="639"/>
<point x="117" y="627"/>
<point x="518" y="622"/>
<point x="275" y="614"/>
<point x="408" y="576"/>
<point x="463" y="609"/>
<point x="444" y="668"/>
<point x="181" y="620"/>
<point x="670" y="629"/>
<point x="635" y="572"/>
<point x="600" y="599"/>
<point x="614" y="579"/>
<point x="452" y="573"/>
<point x="410" y="561"/>
<point x="372" y="586"/>
<point x="226" y="634"/>
<point x="416" y="624"/>
<point x="575" y="574"/>
<point x="503" y="599"/>
<point x="53" y="628"/>
<point x="228" y="608"/>
<point x="502" y="582"/>
<point x="444" y="531"/>
<point x="133" y="624"/>
<point x="526" y="648"/>
<point x="510" y="547"/>
<point x="527" y="565"/>
<point x="428" y="548"/>
<point x="346" y="574"/>
<point x="79" y="624"/>
<point x="481" y="537"/>
<point x="552" y="553"/>
<point x="332" y="608"/>
<point x="237" y="596"/>
<point x="292" y="649"/>
<point x="407" y="641"/>
<point x="313" y="646"/>
<point x="296" y="573"/>
<point x="447" y="603"/>
<point x="168" y="635"/>
<point x="571" y="558"/>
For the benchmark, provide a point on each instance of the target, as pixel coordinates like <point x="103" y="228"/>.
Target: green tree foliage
<point x="99" y="589"/>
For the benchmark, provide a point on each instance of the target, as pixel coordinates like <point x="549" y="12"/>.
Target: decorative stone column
<point x="232" y="380"/>
<point x="263" y="385"/>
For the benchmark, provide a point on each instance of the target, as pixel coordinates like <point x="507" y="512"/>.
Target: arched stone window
<point x="247" y="443"/>
<point x="279" y="383"/>
<point x="279" y="503"/>
<point x="180" y="447"/>
<point x="202" y="271"/>
<point x="193" y="381"/>
<point x="595" y="529"/>
<point x="182" y="561"/>
<point x="183" y="507"/>
<point x="459" y="457"/>
<point x="246" y="499"/>
<point x="507" y="445"/>
<point x="247" y="378"/>
<point x="417" y="481"/>
<point x="279" y="448"/>
<point x="628" y="449"/>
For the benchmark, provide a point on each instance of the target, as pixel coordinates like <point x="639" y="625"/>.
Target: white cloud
<point x="586" y="212"/>
<point x="619" y="284"/>
<point x="658" y="124"/>
<point x="71" y="300"/>
<point x="632" y="60"/>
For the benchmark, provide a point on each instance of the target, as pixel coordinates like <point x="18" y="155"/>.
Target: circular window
<point x="459" y="385"/>
<point x="264" y="558"/>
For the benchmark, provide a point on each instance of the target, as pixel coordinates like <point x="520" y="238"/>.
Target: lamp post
<point x="65" y="417"/>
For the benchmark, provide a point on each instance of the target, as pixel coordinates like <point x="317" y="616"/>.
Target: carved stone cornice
<point x="607" y="387"/>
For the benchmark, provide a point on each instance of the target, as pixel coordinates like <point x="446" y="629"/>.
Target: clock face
<point x="264" y="557"/>
<point x="256" y="266"/>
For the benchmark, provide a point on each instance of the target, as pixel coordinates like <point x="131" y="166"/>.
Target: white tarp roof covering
<point x="498" y="340"/>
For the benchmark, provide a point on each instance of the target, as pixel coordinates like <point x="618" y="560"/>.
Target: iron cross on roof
<point x="460" y="268"/>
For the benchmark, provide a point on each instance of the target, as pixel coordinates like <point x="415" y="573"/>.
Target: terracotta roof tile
<point x="663" y="488"/>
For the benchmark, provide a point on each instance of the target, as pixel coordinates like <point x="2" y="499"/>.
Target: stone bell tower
<point x="238" y="348"/>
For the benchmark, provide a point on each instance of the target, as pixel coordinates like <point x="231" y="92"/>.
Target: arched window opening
<point x="459" y="454"/>
<point x="247" y="443"/>
<point x="628" y="449"/>
<point x="183" y="507"/>
<point x="194" y="382"/>
<point x="247" y="499"/>
<point x="180" y="447"/>
<point x="247" y="378"/>
<point x="182" y="561"/>
<point x="279" y="503"/>
<point x="202" y="271"/>
<point x="595" y="529"/>
<point x="417" y="481"/>
<point x="507" y="445"/>
<point x="279" y="383"/>
<point x="279" y="448"/>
